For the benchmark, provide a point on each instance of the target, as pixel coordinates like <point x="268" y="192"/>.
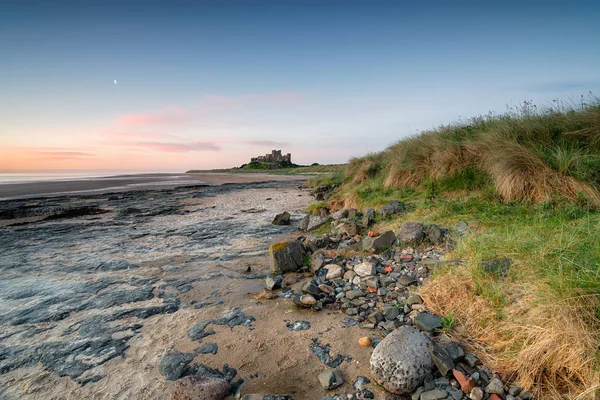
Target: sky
<point x="209" y="84"/>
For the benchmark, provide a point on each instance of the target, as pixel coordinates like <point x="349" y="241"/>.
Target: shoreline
<point x="126" y="183"/>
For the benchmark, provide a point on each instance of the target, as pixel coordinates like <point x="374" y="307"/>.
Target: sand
<point x="269" y="357"/>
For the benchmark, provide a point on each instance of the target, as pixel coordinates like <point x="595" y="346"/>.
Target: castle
<point x="275" y="156"/>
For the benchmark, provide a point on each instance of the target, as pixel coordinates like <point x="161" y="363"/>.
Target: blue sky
<point x="209" y="84"/>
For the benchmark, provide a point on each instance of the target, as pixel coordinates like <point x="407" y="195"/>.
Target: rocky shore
<point x="198" y="292"/>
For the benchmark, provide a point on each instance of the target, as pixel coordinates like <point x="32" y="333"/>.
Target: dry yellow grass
<point x="546" y="347"/>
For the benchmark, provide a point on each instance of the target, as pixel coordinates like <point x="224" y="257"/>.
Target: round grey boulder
<point x="400" y="362"/>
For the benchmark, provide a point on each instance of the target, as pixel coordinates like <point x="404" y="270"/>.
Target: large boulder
<point x="200" y="388"/>
<point x="380" y="243"/>
<point x="312" y="222"/>
<point x="286" y="256"/>
<point x="411" y="232"/>
<point x="282" y="219"/>
<point x="401" y="361"/>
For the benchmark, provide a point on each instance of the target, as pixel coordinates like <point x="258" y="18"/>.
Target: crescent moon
<point x="115" y="81"/>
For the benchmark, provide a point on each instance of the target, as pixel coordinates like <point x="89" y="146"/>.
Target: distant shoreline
<point x="123" y="183"/>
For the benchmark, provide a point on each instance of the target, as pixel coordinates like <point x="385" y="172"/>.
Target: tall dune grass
<point x="528" y="154"/>
<point x="528" y="182"/>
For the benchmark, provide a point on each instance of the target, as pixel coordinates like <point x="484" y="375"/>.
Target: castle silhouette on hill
<point x="275" y="156"/>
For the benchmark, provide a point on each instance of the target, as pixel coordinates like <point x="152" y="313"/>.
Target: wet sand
<point x="123" y="183"/>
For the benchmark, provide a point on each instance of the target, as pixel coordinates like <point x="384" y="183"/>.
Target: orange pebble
<point x="365" y="341"/>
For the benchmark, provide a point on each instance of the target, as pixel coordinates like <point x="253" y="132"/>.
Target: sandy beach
<point x="91" y="304"/>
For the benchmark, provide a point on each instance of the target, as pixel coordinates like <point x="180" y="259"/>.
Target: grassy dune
<point x="527" y="182"/>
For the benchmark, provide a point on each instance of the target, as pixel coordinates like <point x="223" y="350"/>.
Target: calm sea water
<point x="24" y="177"/>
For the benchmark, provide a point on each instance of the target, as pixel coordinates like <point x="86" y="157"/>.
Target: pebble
<point x="476" y="393"/>
<point x="495" y="386"/>
<point x="365" y="341"/>
<point x="308" y="299"/>
<point x="331" y="379"/>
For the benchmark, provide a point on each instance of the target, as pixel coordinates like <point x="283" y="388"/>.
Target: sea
<point x="63" y="175"/>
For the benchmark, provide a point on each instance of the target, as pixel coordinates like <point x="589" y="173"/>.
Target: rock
<point x="368" y="217"/>
<point x="375" y="317"/>
<point x="174" y="365"/>
<point x="286" y="256"/>
<point x="312" y="222"/>
<point x="435" y="234"/>
<point x="311" y="288"/>
<point x="392" y="208"/>
<point x="316" y="242"/>
<point x="379" y="244"/>
<point x="273" y="282"/>
<point x="494" y="397"/>
<point x="334" y="271"/>
<point x="391" y="313"/>
<point x="499" y="266"/>
<point x="352" y="294"/>
<point x="352" y="311"/>
<point x="427" y="322"/>
<point x="411" y="232"/>
<point x="308" y="300"/>
<point x="414" y="299"/>
<point x="324" y="212"/>
<point x="207" y="348"/>
<point x="326" y="288"/>
<point x="455" y="351"/>
<point x="476" y="393"/>
<point x="352" y="213"/>
<point x="435" y="394"/>
<point x="471" y="359"/>
<point x="340" y="214"/>
<point x="289" y="279"/>
<point x="441" y="358"/>
<point x="372" y="282"/>
<point x="454" y="393"/>
<point x="461" y="228"/>
<point x="401" y="361"/>
<point x="365" y="341"/>
<point x="331" y="379"/>
<point x="365" y="269"/>
<point x="316" y="261"/>
<point x="349" y="275"/>
<point x="466" y="384"/>
<point x="282" y="219"/>
<point x="495" y="386"/>
<point x="349" y="228"/>
<point x="407" y="280"/>
<point x="514" y="390"/>
<point x="200" y="388"/>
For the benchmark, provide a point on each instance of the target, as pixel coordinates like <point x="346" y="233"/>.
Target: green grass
<point x="527" y="182"/>
<point x="307" y="170"/>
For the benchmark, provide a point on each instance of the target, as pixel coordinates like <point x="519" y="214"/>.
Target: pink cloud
<point x="178" y="147"/>
<point x="264" y="143"/>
